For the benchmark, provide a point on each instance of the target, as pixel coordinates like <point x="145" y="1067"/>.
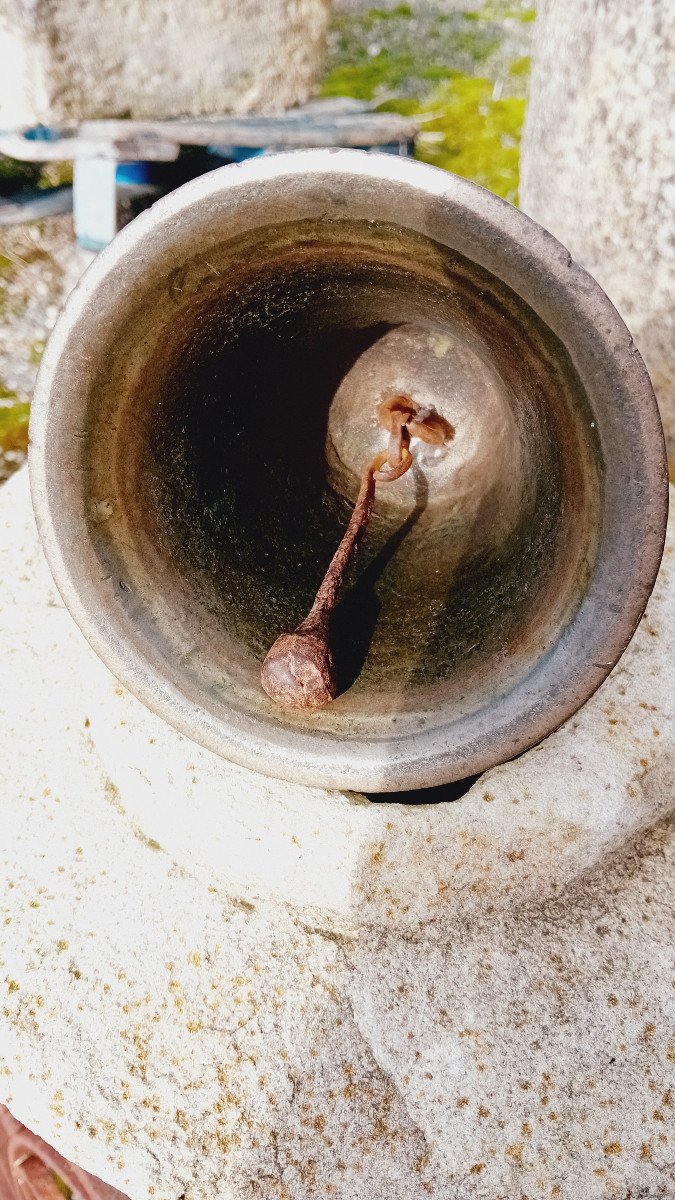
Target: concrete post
<point x="81" y="59"/>
<point x="598" y="160"/>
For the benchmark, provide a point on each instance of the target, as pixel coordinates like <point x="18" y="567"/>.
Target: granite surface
<point x="218" y="985"/>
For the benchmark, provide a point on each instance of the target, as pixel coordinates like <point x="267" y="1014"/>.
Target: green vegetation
<point x="55" y="174"/>
<point x="474" y="135"/>
<point x="463" y="75"/>
<point x="380" y="54"/>
<point x="494" y="10"/>
<point x="15" y="175"/>
<point x="14" y="415"/>
<point x="35" y="352"/>
<point x="521" y="67"/>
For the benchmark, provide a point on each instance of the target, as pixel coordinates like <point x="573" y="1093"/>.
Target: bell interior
<point x="235" y="412"/>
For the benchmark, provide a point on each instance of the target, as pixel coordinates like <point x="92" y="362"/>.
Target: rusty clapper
<point x="299" y="670"/>
<point x="202" y="418"/>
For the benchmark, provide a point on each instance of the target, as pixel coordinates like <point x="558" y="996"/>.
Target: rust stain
<point x="515" y="1152"/>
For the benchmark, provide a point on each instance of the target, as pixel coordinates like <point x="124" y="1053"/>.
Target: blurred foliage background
<point x="463" y="73"/>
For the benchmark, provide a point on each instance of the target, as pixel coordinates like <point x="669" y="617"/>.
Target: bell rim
<point x="298" y="756"/>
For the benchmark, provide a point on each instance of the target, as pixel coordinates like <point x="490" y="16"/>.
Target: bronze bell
<point x="203" y="415"/>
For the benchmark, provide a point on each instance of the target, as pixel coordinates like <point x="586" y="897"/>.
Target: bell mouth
<point x="225" y="406"/>
<point x="259" y="406"/>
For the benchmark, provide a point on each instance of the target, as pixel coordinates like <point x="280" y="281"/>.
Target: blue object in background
<point x="42" y="133"/>
<point x="137" y="172"/>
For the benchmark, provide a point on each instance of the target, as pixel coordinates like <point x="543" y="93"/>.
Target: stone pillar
<point x="598" y="160"/>
<point x="80" y="59"/>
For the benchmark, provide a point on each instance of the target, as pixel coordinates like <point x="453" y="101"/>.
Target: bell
<point x="203" y="415"/>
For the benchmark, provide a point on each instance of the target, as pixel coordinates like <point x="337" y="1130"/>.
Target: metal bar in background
<point x="35" y="204"/>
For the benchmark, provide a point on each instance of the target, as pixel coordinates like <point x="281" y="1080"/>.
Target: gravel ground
<point x="39" y="264"/>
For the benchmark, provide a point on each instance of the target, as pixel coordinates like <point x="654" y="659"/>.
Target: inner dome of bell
<point x="250" y="412"/>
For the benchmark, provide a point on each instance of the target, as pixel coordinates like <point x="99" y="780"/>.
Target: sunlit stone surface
<point x="598" y="161"/>
<point x="81" y="59"/>
<point x="217" y="984"/>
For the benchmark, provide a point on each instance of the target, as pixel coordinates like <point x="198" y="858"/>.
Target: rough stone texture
<point x="214" y="984"/>
<point x="81" y="59"/>
<point x="598" y="160"/>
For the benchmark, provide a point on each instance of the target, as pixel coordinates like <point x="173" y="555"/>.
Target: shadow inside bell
<point x="355" y="617"/>
<point x="353" y="626"/>
<point x="443" y="794"/>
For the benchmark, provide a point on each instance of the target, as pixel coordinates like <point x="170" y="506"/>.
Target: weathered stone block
<point x="81" y="59"/>
<point x="218" y="984"/>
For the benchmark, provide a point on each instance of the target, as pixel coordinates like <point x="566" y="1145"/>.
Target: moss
<point x="388" y="14"/>
<point x="13" y="422"/>
<point x="55" y="174"/>
<point x="35" y="351"/>
<point x="385" y="51"/>
<point x="474" y="134"/>
<point x="494" y="10"/>
<point x="361" y="80"/>
<point x="15" y="175"/>
<point x="520" y="67"/>
<point x="442" y="68"/>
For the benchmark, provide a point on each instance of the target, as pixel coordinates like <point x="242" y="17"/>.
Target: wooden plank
<point x="126" y="148"/>
<point x="289" y="130"/>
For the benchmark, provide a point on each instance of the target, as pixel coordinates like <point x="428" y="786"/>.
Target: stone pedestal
<point x="156" y="58"/>
<point x="598" y="160"/>
<point x="215" y="984"/>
